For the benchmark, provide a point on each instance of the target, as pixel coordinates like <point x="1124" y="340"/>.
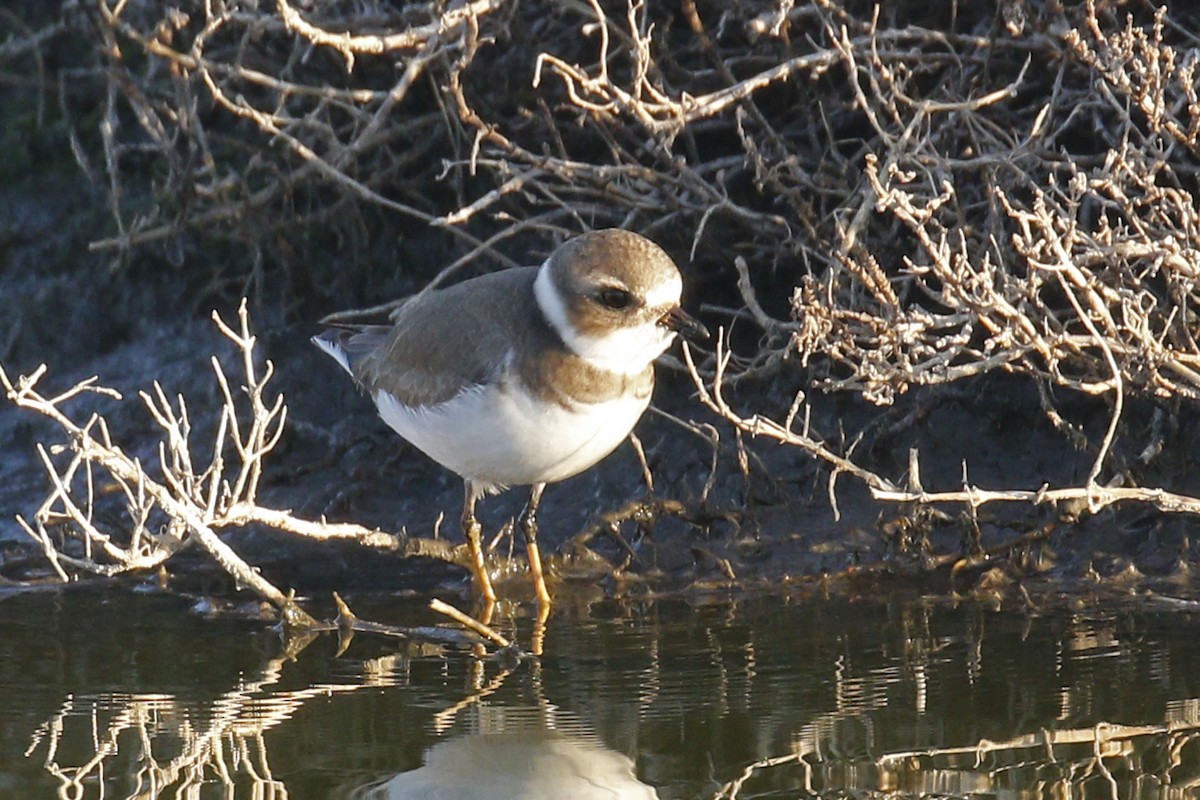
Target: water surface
<point x="116" y="695"/>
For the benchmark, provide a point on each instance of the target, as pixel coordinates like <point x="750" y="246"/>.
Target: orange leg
<point x="474" y="534"/>
<point x="529" y="528"/>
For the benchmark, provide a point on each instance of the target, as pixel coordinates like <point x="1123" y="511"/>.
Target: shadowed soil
<point x="766" y="527"/>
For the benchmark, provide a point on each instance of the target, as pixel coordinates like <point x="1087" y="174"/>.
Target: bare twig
<point x="187" y="501"/>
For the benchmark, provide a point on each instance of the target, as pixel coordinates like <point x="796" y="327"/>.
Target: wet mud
<point x="767" y="520"/>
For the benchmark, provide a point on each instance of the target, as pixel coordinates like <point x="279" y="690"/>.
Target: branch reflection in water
<point x="747" y="700"/>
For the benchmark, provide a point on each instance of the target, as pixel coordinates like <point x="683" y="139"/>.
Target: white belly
<point x="509" y="438"/>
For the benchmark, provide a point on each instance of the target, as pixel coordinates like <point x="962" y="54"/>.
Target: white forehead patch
<point x="666" y="292"/>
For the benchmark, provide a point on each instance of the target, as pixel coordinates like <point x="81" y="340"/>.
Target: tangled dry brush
<point x="907" y="194"/>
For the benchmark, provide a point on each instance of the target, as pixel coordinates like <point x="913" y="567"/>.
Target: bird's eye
<point x="615" y="298"/>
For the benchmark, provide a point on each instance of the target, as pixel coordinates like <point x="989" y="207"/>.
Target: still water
<point x="115" y="695"/>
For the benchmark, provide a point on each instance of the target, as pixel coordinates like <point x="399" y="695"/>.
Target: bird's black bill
<point x="684" y="324"/>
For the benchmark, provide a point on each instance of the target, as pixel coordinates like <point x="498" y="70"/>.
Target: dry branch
<point x="182" y="501"/>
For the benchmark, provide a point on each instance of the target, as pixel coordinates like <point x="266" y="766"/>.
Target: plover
<point x="527" y="376"/>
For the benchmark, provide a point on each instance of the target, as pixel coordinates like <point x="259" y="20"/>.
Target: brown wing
<point x="443" y="341"/>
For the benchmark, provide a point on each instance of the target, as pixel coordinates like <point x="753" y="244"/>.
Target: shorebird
<point x="527" y="376"/>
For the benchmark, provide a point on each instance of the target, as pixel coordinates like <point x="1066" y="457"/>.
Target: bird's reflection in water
<point x="517" y="765"/>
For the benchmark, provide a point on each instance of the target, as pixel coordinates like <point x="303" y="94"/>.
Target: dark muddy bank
<point x="765" y="527"/>
<point x="768" y="526"/>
